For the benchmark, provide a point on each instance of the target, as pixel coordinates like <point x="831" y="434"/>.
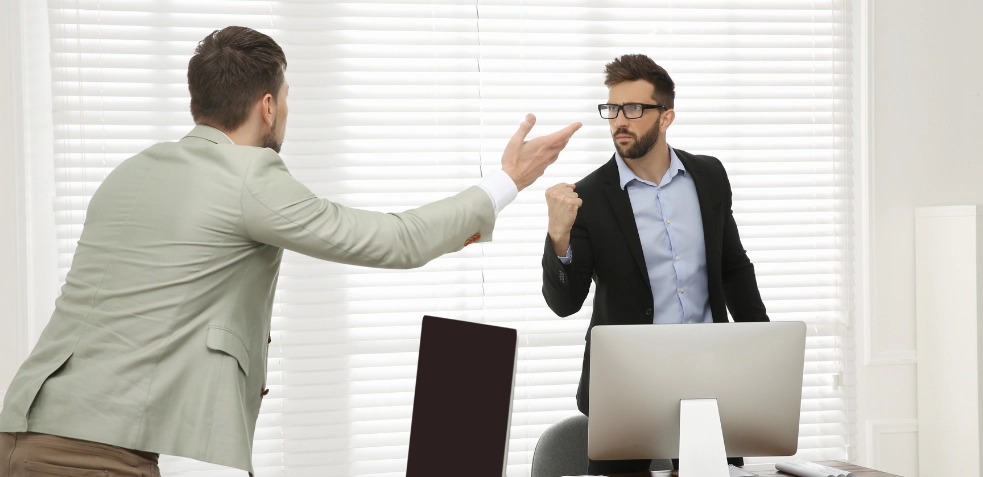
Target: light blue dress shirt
<point x="670" y="228"/>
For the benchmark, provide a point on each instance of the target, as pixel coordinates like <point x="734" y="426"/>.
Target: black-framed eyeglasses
<point x="632" y="110"/>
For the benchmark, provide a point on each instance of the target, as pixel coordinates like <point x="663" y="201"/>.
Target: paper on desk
<point x="811" y="469"/>
<point x="736" y="472"/>
<point x="823" y="468"/>
<point x="800" y="471"/>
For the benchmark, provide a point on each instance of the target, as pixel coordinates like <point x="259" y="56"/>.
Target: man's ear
<point x="666" y="120"/>
<point x="268" y="109"/>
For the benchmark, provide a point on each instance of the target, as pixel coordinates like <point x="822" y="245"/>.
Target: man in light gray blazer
<point x="159" y="340"/>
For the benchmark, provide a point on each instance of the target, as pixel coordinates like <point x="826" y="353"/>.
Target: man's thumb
<point x="524" y="127"/>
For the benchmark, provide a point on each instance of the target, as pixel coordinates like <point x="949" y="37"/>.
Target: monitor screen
<point x="639" y="374"/>
<point x="463" y="400"/>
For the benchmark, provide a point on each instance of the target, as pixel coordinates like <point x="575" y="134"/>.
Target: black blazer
<point x="606" y="248"/>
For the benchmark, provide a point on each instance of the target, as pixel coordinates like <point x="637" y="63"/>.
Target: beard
<point x="641" y="146"/>
<point x="271" y="141"/>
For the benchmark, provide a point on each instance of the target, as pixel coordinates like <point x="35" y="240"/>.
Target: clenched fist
<point x="562" y="202"/>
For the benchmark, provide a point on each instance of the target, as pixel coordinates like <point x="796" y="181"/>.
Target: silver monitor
<point x="641" y="376"/>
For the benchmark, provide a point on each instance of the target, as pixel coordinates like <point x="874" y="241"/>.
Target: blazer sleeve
<point x="740" y="285"/>
<point x="565" y="287"/>
<point x="280" y="211"/>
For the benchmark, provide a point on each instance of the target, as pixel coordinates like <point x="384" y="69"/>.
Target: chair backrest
<point x="562" y="450"/>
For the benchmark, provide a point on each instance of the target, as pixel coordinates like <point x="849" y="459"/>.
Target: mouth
<point x="623" y="135"/>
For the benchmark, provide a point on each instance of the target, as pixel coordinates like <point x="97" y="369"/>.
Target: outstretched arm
<point x="279" y="210"/>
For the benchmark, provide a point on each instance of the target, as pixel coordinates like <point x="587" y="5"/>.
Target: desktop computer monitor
<point x="462" y="405"/>
<point x="646" y="379"/>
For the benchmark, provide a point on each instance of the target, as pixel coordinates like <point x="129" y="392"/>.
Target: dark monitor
<point x="700" y="392"/>
<point x="463" y="402"/>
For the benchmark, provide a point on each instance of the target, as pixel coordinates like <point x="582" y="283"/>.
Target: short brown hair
<point x="231" y="69"/>
<point x="641" y="67"/>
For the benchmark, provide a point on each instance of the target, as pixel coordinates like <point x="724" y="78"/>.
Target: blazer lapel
<point x="621" y="205"/>
<point x="703" y="193"/>
<point x="711" y="242"/>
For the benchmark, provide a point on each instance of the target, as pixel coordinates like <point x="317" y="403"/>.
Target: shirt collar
<point x="210" y="134"/>
<point x="626" y="175"/>
<point x="226" y="136"/>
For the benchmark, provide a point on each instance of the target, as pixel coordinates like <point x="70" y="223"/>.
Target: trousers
<point x="29" y="454"/>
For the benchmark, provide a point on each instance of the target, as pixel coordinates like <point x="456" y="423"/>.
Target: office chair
<point x="562" y="450"/>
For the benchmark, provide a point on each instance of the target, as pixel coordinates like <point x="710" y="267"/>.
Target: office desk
<point x="768" y="470"/>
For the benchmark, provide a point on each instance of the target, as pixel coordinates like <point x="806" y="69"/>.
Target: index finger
<point x="565" y="133"/>
<point x="559" y="139"/>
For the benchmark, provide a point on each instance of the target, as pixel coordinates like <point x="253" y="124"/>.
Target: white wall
<point x="927" y="136"/>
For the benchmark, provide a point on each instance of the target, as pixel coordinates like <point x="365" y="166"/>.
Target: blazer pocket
<point x="226" y="341"/>
<point x="40" y="468"/>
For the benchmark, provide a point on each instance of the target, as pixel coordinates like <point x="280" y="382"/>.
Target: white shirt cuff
<point x="500" y="189"/>
<point x="569" y="258"/>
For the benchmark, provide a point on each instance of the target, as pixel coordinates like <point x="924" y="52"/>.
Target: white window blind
<point x="397" y="103"/>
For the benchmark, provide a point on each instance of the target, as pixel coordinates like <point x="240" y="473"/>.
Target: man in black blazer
<point x="653" y="228"/>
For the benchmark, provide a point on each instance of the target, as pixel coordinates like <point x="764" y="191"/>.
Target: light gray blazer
<point x="159" y="339"/>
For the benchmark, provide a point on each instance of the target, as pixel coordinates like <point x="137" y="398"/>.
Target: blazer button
<point x="265" y="392"/>
<point x="648" y="312"/>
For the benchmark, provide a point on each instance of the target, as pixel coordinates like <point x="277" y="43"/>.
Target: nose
<point x="619" y="122"/>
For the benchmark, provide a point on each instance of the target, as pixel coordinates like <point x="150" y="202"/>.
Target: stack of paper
<point x="810" y="469"/>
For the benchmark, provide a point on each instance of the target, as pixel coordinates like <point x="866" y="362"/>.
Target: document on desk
<point x="738" y="472"/>
<point x="804" y="468"/>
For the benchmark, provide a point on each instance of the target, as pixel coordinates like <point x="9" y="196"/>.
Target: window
<point x="397" y="103"/>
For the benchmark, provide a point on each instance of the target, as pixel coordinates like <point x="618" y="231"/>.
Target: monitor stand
<point x="701" y="440"/>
